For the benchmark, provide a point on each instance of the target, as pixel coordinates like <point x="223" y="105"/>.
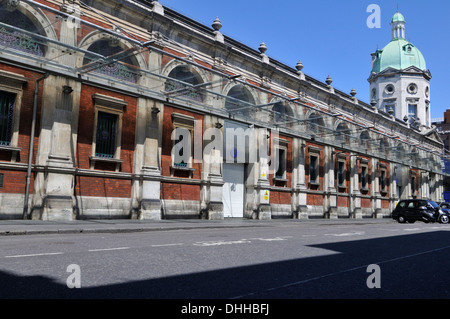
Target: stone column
<point x="212" y="179"/>
<point x="146" y="201"/>
<point x="298" y="179"/>
<point x="53" y="197"/>
<point x="330" y="202"/>
<point x="261" y="172"/>
<point x="375" y="190"/>
<point x="393" y="198"/>
<point x="355" y="194"/>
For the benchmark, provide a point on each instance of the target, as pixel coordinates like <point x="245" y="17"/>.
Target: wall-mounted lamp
<point x="218" y="125"/>
<point x="155" y="110"/>
<point x="67" y="89"/>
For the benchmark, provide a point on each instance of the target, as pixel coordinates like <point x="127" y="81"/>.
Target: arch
<point x="341" y="133"/>
<point x="315" y="123"/>
<point x="236" y="94"/>
<point x="384" y="145"/>
<point x="282" y="112"/>
<point x="364" y="139"/>
<point x="401" y="151"/>
<point x="184" y="74"/>
<point x="24" y="16"/>
<point x="198" y="76"/>
<point x="99" y="43"/>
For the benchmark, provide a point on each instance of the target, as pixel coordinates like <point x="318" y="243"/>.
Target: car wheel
<point x="401" y="219"/>
<point x="443" y="219"/>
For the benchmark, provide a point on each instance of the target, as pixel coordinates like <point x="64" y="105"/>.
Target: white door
<point x="233" y="190"/>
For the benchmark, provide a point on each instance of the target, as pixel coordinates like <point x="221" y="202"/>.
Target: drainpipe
<point x="30" y="155"/>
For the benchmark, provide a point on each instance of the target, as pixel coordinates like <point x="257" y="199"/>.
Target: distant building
<point x="443" y="128"/>
<point x="400" y="80"/>
<point x="123" y="109"/>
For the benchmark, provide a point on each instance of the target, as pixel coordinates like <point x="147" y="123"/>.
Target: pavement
<point x="38" y="227"/>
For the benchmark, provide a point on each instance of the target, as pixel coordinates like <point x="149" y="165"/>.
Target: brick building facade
<point x="109" y="85"/>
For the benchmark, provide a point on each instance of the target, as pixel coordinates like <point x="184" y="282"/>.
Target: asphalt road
<point x="280" y="261"/>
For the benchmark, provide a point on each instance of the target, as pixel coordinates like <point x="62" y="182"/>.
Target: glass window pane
<point x="7" y="101"/>
<point x="106" y="135"/>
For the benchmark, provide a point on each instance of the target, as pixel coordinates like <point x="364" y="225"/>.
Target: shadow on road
<point x="412" y="266"/>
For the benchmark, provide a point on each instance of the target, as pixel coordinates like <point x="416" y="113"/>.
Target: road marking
<point x="341" y="272"/>
<point x="109" y="249"/>
<point x="167" y="245"/>
<point x="220" y="242"/>
<point x="272" y="239"/>
<point x="33" y="255"/>
<point x="347" y="234"/>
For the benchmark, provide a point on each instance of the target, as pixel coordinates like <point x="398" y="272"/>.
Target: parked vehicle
<point x="444" y="206"/>
<point x="412" y="210"/>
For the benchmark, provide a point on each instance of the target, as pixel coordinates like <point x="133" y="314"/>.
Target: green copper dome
<point x="399" y="54"/>
<point x="398" y="17"/>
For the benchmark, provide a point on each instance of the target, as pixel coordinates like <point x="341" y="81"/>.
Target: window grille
<point x="341" y="173"/>
<point x="363" y="177"/>
<point x="105" y="145"/>
<point x="313" y="169"/>
<point x="281" y="163"/>
<point x="7" y="101"/>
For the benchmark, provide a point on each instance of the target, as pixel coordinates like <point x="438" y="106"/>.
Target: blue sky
<point x="331" y="37"/>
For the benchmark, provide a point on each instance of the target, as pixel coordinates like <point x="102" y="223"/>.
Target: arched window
<point x="364" y="139"/>
<point x="119" y="68"/>
<point x="342" y="133"/>
<point x="239" y="97"/>
<point x="15" y="39"/>
<point x="315" y="124"/>
<point x="282" y="114"/>
<point x="384" y="146"/>
<point x="185" y="79"/>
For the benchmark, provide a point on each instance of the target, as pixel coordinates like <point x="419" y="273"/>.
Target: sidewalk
<point x="37" y="227"/>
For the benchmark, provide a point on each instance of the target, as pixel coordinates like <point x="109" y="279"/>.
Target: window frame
<point x="314" y="152"/>
<point x="383" y="181"/>
<point x="281" y="148"/>
<point x="110" y="105"/>
<point x="413" y="105"/>
<point x="364" y="165"/>
<point x="13" y="83"/>
<point x="186" y="122"/>
<point x="341" y="160"/>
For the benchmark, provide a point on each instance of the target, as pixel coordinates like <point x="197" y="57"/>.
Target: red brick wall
<point x="14" y="182"/>
<point x="86" y="130"/>
<point x="102" y="187"/>
<point x="177" y="191"/>
<point x="280" y="197"/>
<point x="314" y="199"/>
<point x="365" y="203"/>
<point x="167" y="143"/>
<point x="343" y="201"/>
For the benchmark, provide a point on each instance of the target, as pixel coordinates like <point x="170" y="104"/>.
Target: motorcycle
<point x="434" y="215"/>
